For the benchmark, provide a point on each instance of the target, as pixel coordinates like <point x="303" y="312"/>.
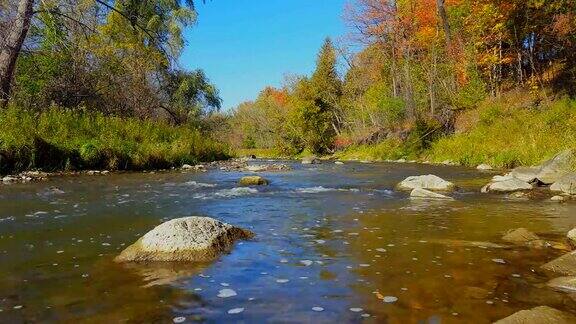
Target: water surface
<point x="334" y="243"/>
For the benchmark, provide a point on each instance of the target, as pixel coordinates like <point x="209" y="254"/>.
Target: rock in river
<point x="192" y="238"/>
<point x="566" y="264"/>
<point x="566" y="184"/>
<point x="484" y="167"/>
<point x="572" y="237"/>
<point x="567" y="284"/>
<point x="556" y="168"/>
<point x="539" y="315"/>
<point x="507" y="185"/>
<point x="253" y="181"/>
<point x="520" y="236"/>
<point x="429" y="182"/>
<point x="310" y="160"/>
<point x="419" y="193"/>
<point x="526" y="174"/>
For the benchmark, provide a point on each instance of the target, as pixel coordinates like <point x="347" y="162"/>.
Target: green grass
<point x="503" y="133"/>
<point x="508" y="136"/>
<point x="59" y="139"/>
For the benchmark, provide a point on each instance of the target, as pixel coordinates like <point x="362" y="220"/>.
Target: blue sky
<point x="244" y="45"/>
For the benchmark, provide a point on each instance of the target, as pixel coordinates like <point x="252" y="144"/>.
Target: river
<point x="334" y="243"/>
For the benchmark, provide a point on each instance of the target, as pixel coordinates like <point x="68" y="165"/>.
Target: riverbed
<point x="334" y="243"/>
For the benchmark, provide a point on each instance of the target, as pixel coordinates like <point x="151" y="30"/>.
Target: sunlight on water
<point x="333" y="244"/>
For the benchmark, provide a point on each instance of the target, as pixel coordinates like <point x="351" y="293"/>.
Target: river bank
<point x="70" y="140"/>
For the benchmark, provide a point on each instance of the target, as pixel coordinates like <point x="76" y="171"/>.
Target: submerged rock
<point x="419" y="193"/>
<point x="253" y="181"/>
<point x="192" y="238"/>
<point x="566" y="184"/>
<point x="558" y="198"/>
<point x="429" y="182"/>
<point x="520" y="236"/>
<point x="310" y="160"/>
<point x="566" y="264"/>
<point x="508" y="185"/>
<point x="539" y="315"/>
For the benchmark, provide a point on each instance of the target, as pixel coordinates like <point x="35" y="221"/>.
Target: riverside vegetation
<point x="470" y="81"/>
<point x="95" y="84"/>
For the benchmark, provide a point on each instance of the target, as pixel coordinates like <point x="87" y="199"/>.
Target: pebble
<point x="317" y="309"/>
<point x="306" y="262"/>
<point x="179" y="319"/>
<point x="236" y="310"/>
<point x="501" y="261"/>
<point x="390" y="299"/>
<point x="225" y="293"/>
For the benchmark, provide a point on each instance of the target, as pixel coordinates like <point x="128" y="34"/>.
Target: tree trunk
<point x="445" y="23"/>
<point x="12" y="45"/>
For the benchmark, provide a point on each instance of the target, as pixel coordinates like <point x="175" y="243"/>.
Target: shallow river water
<point x="334" y="243"/>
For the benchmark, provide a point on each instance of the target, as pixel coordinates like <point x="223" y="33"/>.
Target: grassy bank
<point x="503" y="133"/>
<point x="60" y="139"/>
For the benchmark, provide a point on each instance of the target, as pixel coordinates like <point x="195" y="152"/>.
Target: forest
<point x="96" y="84"/>
<point x="471" y="81"/>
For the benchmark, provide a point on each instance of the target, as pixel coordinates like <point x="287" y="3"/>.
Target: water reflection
<point x="333" y="244"/>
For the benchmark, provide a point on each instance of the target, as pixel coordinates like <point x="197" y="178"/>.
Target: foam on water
<point x="319" y="189"/>
<point x="228" y="193"/>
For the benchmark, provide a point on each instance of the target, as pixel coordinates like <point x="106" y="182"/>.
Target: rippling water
<point x="334" y="243"/>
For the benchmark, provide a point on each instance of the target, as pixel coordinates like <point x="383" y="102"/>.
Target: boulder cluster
<point x="555" y="174"/>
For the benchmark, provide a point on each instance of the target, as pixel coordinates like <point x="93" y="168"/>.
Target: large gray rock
<point x="539" y="315"/>
<point x="419" y="193"/>
<point x="554" y="169"/>
<point x="526" y="174"/>
<point x="194" y="238"/>
<point x="508" y="185"/>
<point x="429" y="182"/>
<point x="565" y="264"/>
<point x="566" y="184"/>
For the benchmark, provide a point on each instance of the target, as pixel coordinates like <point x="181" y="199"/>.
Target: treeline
<point x="424" y="63"/>
<point x="82" y="65"/>
<point x="117" y="57"/>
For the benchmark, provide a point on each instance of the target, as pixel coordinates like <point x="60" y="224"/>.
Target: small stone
<point x="317" y="309"/>
<point x="501" y="261"/>
<point x="390" y="299"/>
<point x="179" y="319"/>
<point x="558" y="198"/>
<point x="236" y="310"/>
<point x="225" y="293"/>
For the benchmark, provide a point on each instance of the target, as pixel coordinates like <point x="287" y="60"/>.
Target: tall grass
<point x="59" y="139"/>
<point x="505" y="135"/>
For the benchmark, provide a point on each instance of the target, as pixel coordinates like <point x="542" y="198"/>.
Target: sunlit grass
<point x="59" y="139"/>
